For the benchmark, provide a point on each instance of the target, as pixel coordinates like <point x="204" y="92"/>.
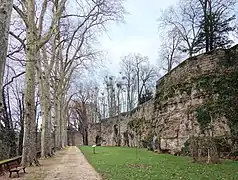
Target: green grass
<point x="119" y="163"/>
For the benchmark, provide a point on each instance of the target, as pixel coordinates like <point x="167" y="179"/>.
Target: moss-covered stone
<point x="223" y="101"/>
<point x="136" y="125"/>
<point x="203" y="116"/>
<point x="214" y="87"/>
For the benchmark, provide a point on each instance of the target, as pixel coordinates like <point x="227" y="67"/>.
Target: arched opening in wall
<point x="98" y="140"/>
<point x="126" y="138"/>
<point x="116" y="135"/>
<point x="115" y="129"/>
<point x="131" y="136"/>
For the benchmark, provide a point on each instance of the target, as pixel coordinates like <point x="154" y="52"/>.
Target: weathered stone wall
<point x="127" y="123"/>
<point x="75" y="138"/>
<point x="197" y="97"/>
<point x="94" y="130"/>
<point x="179" y="94"/>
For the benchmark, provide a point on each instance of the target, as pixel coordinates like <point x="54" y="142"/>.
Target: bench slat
<point x="14" y="166"/>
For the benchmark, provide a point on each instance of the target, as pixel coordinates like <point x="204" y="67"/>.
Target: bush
<point x="203" y="149"/>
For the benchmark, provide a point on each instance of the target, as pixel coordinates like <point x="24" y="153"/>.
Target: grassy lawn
<point x="119" y="163"/>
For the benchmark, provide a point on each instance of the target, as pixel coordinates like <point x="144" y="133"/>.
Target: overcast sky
<point x="139" y="34"/>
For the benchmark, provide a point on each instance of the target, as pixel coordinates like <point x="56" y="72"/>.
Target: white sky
<point x="139" y="34"/>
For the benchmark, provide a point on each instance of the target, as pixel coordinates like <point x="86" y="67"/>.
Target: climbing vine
<point x="223" y="100"/>
<point x="136" y="125"/>
<point x="219" y="91"/>
<point x="203" y="117"/>
<point x="166" y="92"/>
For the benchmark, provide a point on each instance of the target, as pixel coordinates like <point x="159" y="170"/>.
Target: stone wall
<point x="75" y="138"/>
<point x="199" y="97"/>
<point x="141" y="115"/>
<point x="178" y="96"/>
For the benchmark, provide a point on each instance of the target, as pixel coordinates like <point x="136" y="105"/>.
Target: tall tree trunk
<point x="21" y="108"/>
<point x="138" y="84"/>
<point x="57" y="97"/>
<point x="61" y="119"/>
<point x="58" y="126"/>
<point x="211" y="22"/>
<point x="20" y="142"/>
<point x="128" y="98"/>
<point x="44" y="79"/>
<point x="44" y="91"/>
<point x="45" y="105"/>
<point x="64" y="118"/>
<point x="29" y="147"/>
<point x="206" y="25"/>
<point x="5" y="17"/>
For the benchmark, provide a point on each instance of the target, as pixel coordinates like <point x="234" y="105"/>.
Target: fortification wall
<point x="106" y="129"/>
<point x="197" y="97"/>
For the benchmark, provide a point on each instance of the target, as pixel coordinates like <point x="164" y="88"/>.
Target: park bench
<point x="14" y="166"/>
<point x="1" y="170"/>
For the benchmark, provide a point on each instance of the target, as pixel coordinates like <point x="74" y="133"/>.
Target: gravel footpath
<point x="73" y="166"/>
<point x="67" y="164"/>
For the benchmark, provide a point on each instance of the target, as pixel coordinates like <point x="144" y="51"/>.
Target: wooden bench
<point x="14" y="166"/>
<point x="1" y="170"/>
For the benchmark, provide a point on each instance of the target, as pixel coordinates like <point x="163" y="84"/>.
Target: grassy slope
<point x="119" y="163"/>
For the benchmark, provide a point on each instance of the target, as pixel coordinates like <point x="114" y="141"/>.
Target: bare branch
<point x="12" y="79"/>
<point x="21" y="14"/>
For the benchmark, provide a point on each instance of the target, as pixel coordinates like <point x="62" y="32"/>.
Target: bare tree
<point x="148" y="77"/>
<point x="110" y="84"/>
<point x="138" y="60"/>
<point x="184" y="20"/>
<point x="9" y="136"/>
<point x="80" y="116"/>
<point x="169" y="51"/>
<point x="75" y="50"/>
<point x="35" y="40"/>
<point x="18" y="111"/>
<point x="83" y="107"/>
<point x="128" y="75"/>
<point x="137" y="72"/>
<point x="5" y="16"/>
<point x="11" y="120"/>
<point x="55" y="48"/>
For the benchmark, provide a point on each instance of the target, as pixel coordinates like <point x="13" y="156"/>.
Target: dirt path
<point x="69" y="164"/>
<point x="73" y="166"/>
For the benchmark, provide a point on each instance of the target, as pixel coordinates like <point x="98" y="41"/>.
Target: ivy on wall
<point x="220" y="91"/>
<point x="136" y="125"/>
<point x="223" y="101"/>
<point x="203" y="116"/>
